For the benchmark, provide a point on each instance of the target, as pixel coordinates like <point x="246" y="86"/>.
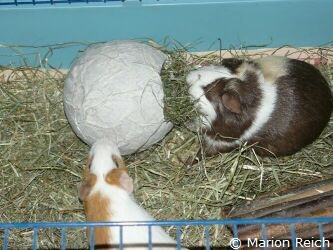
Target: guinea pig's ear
<point x="231" y="95"/>
<point x="126" y="182"/>
<point x="119" y="177"/>
<point x="86" y="171"/>
<point x="231" y="101"/>
<point x="119" y="161"/>
<point x="87" y="186"/>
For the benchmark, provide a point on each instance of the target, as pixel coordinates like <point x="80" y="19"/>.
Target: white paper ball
<point x="114" y="90"/>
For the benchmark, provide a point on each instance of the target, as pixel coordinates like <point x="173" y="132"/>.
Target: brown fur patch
<point x="96" y="209"/>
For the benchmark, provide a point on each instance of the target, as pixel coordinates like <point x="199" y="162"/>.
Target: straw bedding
<point x="41" y="161"/>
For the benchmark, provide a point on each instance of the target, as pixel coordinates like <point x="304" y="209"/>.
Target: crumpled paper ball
<point x="114" y="90"/>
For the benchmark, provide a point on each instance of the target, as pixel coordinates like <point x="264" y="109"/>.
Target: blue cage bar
<point x="233" y="223"/>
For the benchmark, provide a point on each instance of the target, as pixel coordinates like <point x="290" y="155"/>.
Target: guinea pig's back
<point x="125" y="208"/>
<point x="302" y="109"/>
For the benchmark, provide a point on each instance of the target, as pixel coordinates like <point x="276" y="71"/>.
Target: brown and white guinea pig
<point x="106" y="193"/>
<point x="278" y="104"/>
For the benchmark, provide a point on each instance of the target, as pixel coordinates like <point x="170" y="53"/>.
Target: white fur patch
<point x="101" y="153"/>
<point x="266" y="107"/>
<point x="123" y="208"/>
<point x="207" y="74"/>
<point x="198" y="79"/>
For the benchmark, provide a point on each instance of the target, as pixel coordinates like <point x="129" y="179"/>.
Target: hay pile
<point x="41" y="163"/>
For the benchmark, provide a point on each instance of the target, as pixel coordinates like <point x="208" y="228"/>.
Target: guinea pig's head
<point x="227" y="97"/>
<point x="104" y="156"/>
<point x="105" y="167"/>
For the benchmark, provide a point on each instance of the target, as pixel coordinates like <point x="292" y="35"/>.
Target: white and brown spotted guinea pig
<point x="106" y="193"/>
<point x="278" y="104"/>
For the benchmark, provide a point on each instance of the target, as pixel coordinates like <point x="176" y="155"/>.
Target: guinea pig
<point x="106" y="195"/>
<point x="278" y="105"/>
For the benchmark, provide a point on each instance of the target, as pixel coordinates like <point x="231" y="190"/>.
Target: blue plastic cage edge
<point x="40" y="28"/>
<point x="249" y="221"/>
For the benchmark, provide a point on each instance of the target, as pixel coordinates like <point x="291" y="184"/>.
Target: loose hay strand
<point x="41" y="159"/>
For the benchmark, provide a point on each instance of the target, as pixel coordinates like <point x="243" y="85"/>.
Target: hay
<point x="41" y="163"/>
<point x="176" y="98"/>
<point x="41" y="159"/>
